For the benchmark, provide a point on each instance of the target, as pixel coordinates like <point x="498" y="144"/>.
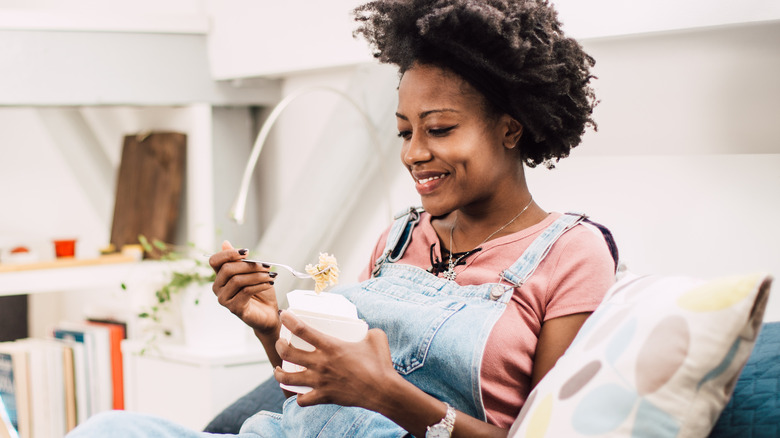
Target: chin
<point x="436" y="209"/>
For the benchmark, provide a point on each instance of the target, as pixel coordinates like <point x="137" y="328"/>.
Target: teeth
<point x="425" y="180"/>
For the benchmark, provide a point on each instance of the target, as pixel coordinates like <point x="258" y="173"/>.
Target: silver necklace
<point x="450" y="273"/>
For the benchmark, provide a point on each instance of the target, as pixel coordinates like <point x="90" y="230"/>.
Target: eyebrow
<point x="425" y="114"/>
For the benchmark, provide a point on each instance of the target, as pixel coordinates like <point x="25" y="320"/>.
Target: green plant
<point x="186" y="271"/>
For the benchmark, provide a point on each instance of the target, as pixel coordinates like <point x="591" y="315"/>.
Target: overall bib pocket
<point x="409" y="343"/>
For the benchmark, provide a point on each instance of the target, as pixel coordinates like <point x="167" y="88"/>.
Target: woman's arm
<point x="554" y="338"/>
<point x="362" y="374"/>
<point x="246" y="289"/>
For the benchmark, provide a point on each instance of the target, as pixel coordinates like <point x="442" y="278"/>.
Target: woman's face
<point x="457" y="154"/>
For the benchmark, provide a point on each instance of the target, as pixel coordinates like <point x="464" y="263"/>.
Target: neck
<point x="469" y="230"/>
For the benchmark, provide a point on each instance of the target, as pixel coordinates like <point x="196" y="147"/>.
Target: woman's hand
<point x="362" y="374"/>
<point x="340" y="372"/>
<point x="246" y="289"/>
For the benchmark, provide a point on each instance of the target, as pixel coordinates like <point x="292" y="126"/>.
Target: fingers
<point x="236" y="299"/>
<point x="298" y="328"/>
<point x="235" y="277"/>
<point x="338" y="371"/>
<point x="237" y="283"/>
<point x="322" y="347"/>
<point x="228" y="254"/>
<point x="228" y="265"/>
<point x="292" y="378"/>
<point x="377" y="338"/>
<point x="299" y="378"/>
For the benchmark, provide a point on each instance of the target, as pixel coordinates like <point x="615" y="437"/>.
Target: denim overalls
<point x="437" y="331"/>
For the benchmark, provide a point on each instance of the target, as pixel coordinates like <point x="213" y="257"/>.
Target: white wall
<point x="274" y="38"/>
<point x="277" y="38"/>
<point x="53" y="189"/>
<point x="685" y="133"/>
<point x="42" y="199"/>
<point x="683" y="167"/>
<point x="603" y="18"/>
<point x="174" y="16"/>
<point x="311" y="133"/>
<point x="51" y="195"/>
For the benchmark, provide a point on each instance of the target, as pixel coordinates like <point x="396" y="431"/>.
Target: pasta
<point x="324" y="273"/>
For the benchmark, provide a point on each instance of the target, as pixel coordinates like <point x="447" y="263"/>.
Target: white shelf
<point x="106" y="21"/>
<point x="162" y="382"/>
<point x="79" y="277"/>
<point x="179" y="353"/>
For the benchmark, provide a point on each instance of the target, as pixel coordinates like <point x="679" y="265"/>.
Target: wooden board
<point x="149" y="187"/>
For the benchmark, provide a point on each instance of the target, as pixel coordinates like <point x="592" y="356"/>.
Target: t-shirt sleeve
<point x="380" y="246"/>
<point x="583" y="273"/>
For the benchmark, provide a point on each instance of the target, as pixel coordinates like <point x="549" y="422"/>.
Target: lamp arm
<point x="238" y="211"/>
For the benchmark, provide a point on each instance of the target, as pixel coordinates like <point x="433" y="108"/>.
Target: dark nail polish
<point x="273" y="274"/>
<point x="243" y="251"/>
<point x="280" y="311"/>
<point x="266" y="265"/>
<point x="271" y="283"/>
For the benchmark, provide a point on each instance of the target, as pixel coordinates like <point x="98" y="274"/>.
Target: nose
<point x="415" y="150"/>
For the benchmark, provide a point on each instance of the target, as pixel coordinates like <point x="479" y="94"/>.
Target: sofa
<point x="733" y="392"/>
<point x="754" y="408"/>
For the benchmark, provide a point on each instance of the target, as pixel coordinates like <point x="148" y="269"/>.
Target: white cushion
<point x="659" y="358"/>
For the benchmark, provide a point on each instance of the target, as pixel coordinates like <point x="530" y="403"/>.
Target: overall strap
<point x="399" y="237"/>
<point x="609" y="238"/>
<point x="525" y="266"/>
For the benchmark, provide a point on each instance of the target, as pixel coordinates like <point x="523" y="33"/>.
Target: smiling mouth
<point x="432" y="178"/>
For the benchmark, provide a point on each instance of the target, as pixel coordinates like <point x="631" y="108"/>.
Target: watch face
<point x="437" y="431"/>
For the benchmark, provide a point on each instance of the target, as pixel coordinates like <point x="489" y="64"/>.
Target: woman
<point x="485" y="87"/>
<point x="473" y="300"/>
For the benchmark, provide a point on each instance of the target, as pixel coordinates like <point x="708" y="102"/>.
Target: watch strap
<point x="448" y="422"/>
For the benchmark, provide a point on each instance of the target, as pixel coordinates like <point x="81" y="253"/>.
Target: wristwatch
<point x="443" y="429"/>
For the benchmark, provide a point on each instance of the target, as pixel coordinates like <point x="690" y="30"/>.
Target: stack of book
<point x="48" y="386"/>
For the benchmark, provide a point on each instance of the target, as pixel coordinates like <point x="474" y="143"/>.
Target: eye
<point x="441" y="132"/>
<point x="406" y="135"/>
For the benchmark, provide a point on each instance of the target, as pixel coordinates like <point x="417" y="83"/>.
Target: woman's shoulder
<point x="581" y="269"/>
<point x="588" y="242"/>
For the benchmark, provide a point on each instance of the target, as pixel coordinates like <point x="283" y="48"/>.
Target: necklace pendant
<point x="450" y="274"/>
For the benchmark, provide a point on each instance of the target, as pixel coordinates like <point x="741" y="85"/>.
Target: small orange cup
<point x="65" y="248"/>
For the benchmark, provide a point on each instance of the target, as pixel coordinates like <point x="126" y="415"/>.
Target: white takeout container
<point x="329" y="313"/>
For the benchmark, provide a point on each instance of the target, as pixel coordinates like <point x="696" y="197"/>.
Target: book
<point x="81" y="370"/>
<point x="15" y="387"/>
<point x="47" y="387"/>
<point x="8" y="391"/>
<point x="117" y="332"/>
<point x="7" y="429"/>
<point x="69" y="385"/>
<point x="97" y="346"/>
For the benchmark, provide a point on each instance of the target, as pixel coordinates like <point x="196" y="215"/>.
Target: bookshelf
<point x="75" y="274"/>
<point x="161" y="380"/>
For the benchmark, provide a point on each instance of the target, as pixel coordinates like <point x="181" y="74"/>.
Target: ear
<point x="512" y="130"/>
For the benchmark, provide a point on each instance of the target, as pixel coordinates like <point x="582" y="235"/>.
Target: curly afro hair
<point x="511" y="51"/>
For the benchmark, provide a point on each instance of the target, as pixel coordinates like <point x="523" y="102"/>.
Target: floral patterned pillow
<point x="659" y="358"/>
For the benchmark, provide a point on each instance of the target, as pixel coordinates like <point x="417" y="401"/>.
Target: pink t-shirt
<point x="572" y="278"/>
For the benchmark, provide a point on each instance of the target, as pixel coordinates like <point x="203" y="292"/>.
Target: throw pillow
<point x="659" y="358"/>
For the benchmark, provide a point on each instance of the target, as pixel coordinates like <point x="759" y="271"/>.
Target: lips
<point x="428" y="181"/>
<point x="425" y="180"/>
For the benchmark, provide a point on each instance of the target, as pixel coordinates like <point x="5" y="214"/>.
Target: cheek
<point x="484" y="168"/>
